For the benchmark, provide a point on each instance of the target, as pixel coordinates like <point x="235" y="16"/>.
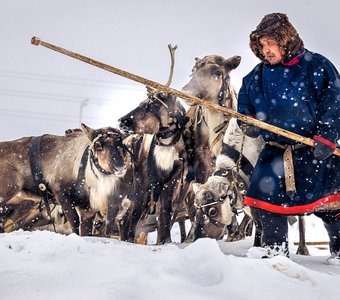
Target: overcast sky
<point x="42" y="91"/>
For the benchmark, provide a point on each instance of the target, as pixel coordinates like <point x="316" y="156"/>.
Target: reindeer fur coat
<point x="300" y="94"/>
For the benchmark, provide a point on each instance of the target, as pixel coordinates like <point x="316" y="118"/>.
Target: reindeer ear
<point x="124" y="134"/>
<point x="232" y="62"/>
<point x="223" y="190"/>
<point x="197" y="59"/>
<point x="91" y="134"/>
<point x="196" y="187"/>
<point x="149" y="89"/>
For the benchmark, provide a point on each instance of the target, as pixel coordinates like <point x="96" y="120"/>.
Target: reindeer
<point x="160" y="158"/>
<point x="30" y="216"/>
<point x="211" y="82"/>
<point x="81" y="171"/>
<point x="221" y="196"/>
<point x="217" y="200"/>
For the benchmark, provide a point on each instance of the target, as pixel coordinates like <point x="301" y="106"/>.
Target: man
<point x="299" y="91"/>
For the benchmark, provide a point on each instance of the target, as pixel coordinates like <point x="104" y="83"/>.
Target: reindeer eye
<point x="212" y="212"/>
<point x="217" y="73"/>
<point x="208" y="196"/>
<point x="162" y="95"/>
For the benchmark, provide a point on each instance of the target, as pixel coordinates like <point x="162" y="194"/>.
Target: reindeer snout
<point x="126" y="124"/>
<point x="120" y="171"/>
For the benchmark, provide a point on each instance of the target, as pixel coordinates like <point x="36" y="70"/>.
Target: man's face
<point x="271" y="50"/>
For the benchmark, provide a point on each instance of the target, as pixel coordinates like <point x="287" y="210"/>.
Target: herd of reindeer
<point x="163" y="164"/>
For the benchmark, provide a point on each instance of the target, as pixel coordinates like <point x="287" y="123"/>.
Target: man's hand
<point x="323" y="148"/>
<point x="251" y="131"/>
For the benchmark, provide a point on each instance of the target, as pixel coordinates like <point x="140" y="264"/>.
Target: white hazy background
<point x="42" y="91"/>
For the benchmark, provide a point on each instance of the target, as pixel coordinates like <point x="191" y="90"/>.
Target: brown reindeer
<point x="211" y="82"/>
<point x="81" y="171"/>
<point x="221" y="196"/>
<point x="29" y="215"/>
<point x="160" y="161"/>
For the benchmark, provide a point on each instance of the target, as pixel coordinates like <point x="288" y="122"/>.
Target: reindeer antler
<point x="172" y="55"/>
<point x="172" y="50"/>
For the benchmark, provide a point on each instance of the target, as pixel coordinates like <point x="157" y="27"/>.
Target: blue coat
<point x="302" y="95"/>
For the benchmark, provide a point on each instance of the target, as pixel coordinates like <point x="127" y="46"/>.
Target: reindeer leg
<point x="38" y="221"/>
<point x="135" y="215"/>
<point x="112" y="213"/>
<point x="18" y="216"/>
<point x="204" y="164"/>
<point x="72" y="216"/>
<point x="190" y="211"/>
<point x="163" y="235"/>
<point x="191" y="237"/>
<point x="240" y="231"/>
<point x="182" y="230"/>
<point x="249" y="228"/>
<point x="258" y="238"/>
<point x="180" y="208"/>
<point x="124" y="224"/>
<point x="302" y="249"/>
<point x="168" y="196"/>
<point x="25" y="216"/>
<point x="34" y="220"/>
<point x="172" y="195"/>
<point x="87" y="217"/>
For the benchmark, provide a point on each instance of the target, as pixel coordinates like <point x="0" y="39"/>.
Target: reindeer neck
<point x="212" y="119"/>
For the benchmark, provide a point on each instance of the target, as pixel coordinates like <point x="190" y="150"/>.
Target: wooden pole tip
<point x="35" y="41"/>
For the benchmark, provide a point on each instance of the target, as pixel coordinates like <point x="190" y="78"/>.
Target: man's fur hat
<point x="277" y="27"/>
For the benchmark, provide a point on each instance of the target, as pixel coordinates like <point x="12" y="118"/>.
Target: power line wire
<point x="47" y="96"/>
<point x="45" y="116"/>
<point x="66" y="80"/>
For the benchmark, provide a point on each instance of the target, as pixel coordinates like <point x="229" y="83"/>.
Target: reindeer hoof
<point x="142" y="239"/>
<point x="302" y="251"/>
<point x="234" y="237"/>
<point x="9" y="226"/>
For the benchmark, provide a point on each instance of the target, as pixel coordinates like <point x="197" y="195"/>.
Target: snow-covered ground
<point x="45" y="265"/>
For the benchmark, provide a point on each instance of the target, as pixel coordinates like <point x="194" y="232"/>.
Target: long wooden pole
<point x="288" y="134"/>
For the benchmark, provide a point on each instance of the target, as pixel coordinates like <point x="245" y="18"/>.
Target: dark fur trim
<point x="278" y="27"/>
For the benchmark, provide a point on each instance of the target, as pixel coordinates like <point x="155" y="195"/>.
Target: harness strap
<point x="81" y="172"/>
<point x="200" y="206"/>
<point x="94" y="160"/>
<point x="207" y="218"/>
<point x="176" y="133"/>
<point x="217" y="224"/>
<point x="223" y="126"/>
<point x="288" y="166"/>
<point x="41" y="185"/>
<point x="220" y="96"/>
<point x="231" y="152"/>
